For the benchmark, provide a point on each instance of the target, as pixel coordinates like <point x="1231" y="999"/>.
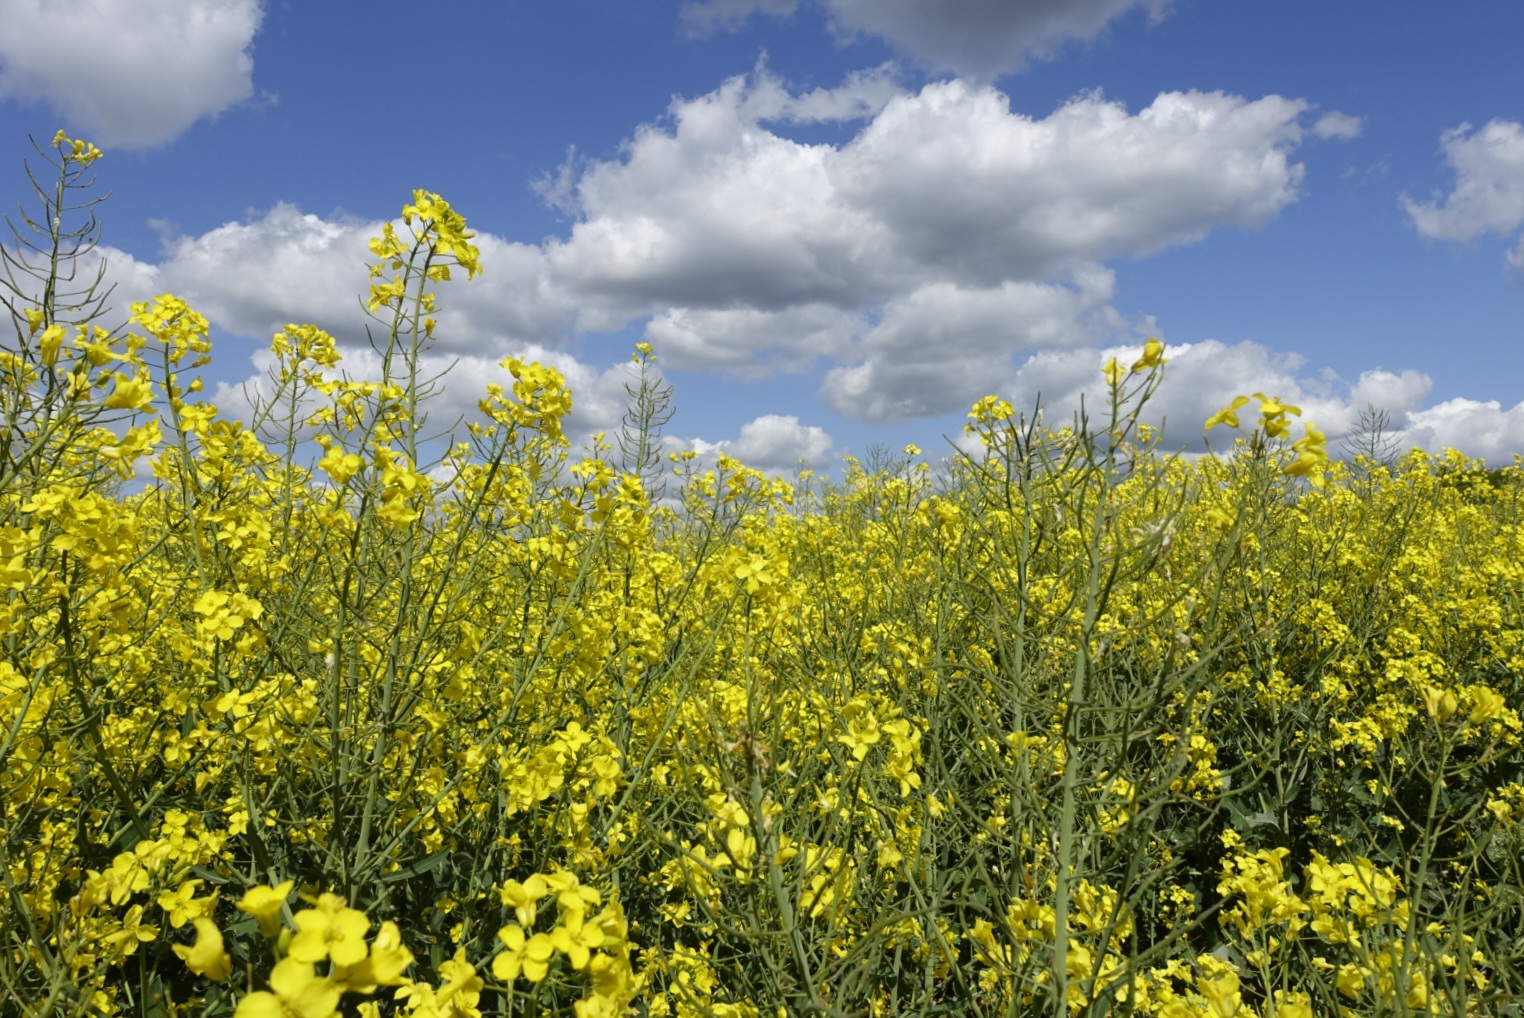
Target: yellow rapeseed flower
<point x="1217" y="981"/>
<point x="384" y="966"/>
<point x="1440" y="703"/>
<point x="1112" y="372"/>
<point x="755" y="572"/>
<point x="576" y="939"/>
<point x="1227" y="415"/>
<point x="76" y="149"/>
<point x="295" y="992"/>
<point x="264" y="904"/>
<point x="331" y="929"/>
<point x="183" y="905"/>
<point x="524" y="898"/>
<point x="207" y="956"/>
<point x="530" y="956"/>
<point x="1153" y="356"/>
<point x="129" y="393"/>
<point x="49" y="342"/>
<point x="1485" y="704"/>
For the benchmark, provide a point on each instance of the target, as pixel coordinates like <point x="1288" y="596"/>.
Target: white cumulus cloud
<point x="963" y="183"/>
<point x="940" y="347"/>
<point x="1397" y="393"/>
<point x="913" y="261"/>
<point x="749" y="342"/>
<point x="1479" y="429"/>
<point x="773" y="443"/>
<point x="717" y="212"/>
<point x="255" y="276"/>
<point x="948" y="183"/>
<point x="285" y="266"/>
<point x="1338" y="125"/>
<point x="1488" y="196"/>
<point x="1516" y="257"/>
<point x="132" y="73"/>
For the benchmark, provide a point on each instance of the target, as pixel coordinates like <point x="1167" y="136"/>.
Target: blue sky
<point x="839" y="221"/>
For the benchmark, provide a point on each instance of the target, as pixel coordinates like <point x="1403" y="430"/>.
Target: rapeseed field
<point x="316" y="721"/>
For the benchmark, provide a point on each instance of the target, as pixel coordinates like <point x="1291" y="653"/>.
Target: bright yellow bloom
<point x="1312" y="456"/>
<point x="383" y="967"/>
<point x="132" y="932"/>
<point x="1350" y="980"/>
<point x="1292" y="1004"/>
<point x="207" y="956"/>
<point x="1273" y="414"/>
<point x="1485" y="704"/>
<point x="1153" y="356"/>
<point x="1441" y="703"/>
<point x="129" y="393"/>
<point x="577" y="939"/>
<point x="76" y="149"/>
<point x="264" y="904"/>
<point x="330" y="930"/>
<point x="183" y="905"/>
<point x="1217" y="981"/>
<point x="528" y="956"/>
<point x="991" y="408"/>
<point x="49" y="342"/>
<point x="863" y="732"/>
<point x="461" y="987"/>
<point x="387" y="245"/>
<point x="295" y="992"/>
<point x="755" y="572"/>
<point x="524" y="898"/>
<point x="1112" y="372"/>
<point x="1227" y="415"/>
<point x="382" y="294"/>
<point x="340" y="465"/>
<point x="571" y="894"/>
<point x="448" y="229"/>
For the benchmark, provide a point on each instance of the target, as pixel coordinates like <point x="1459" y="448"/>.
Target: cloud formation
<point x="772" y="443"/>
<point x="1479" y="429"/>
<point x="977" y="39"/>
<point x="1338" y="125"/>
<point x="940" y="347"/>
<point x="129" y="73"/>
<point x="751" y="342"/>
<point x="252" y="278"/>
<point x="948" y="184"/>
<point x="1488" y="196"/>
<point x="949" y="223"/>
<point x="913" y="261"/>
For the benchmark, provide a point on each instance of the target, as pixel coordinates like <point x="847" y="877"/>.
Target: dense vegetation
<point x="1072" y="725"/>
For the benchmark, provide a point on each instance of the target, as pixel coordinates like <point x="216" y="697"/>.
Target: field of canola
<point x="311" y="725"/>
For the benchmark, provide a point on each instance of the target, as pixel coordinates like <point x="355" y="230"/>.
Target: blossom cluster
<point x="315" y="721"/>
